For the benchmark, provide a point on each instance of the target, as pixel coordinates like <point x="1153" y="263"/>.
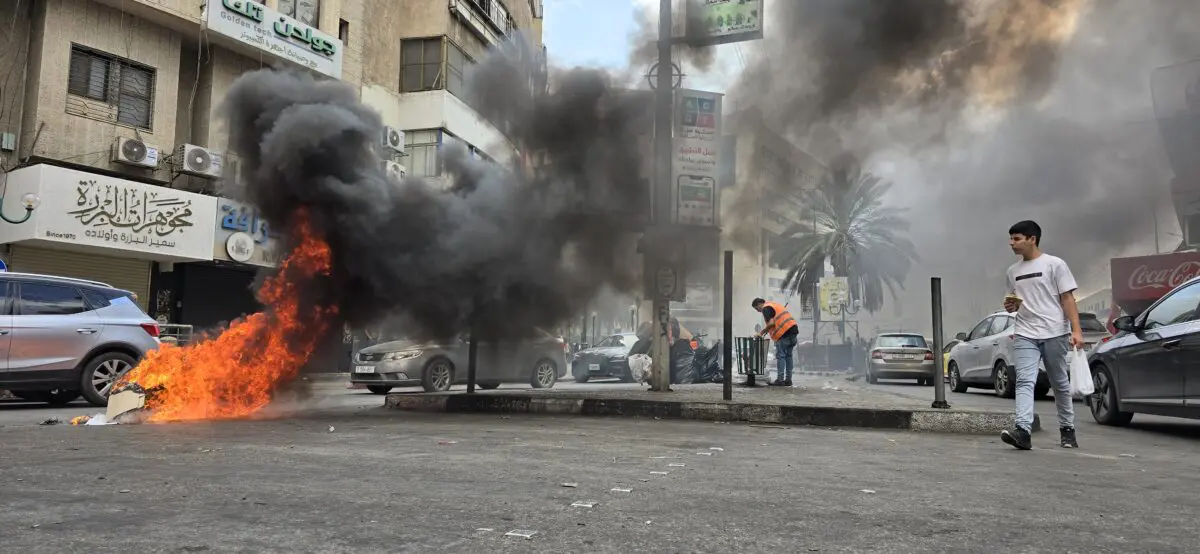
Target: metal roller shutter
<point x="123" y="273"/>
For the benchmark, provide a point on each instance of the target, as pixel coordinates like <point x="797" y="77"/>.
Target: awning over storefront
<point x="89" y="212"/>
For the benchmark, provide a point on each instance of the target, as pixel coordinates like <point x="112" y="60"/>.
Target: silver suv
<point x="61" y="337"/>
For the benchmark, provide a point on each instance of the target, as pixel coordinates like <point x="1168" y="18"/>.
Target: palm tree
<point x="846" y="222"/>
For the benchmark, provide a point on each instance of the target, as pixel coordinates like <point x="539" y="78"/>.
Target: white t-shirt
<point x="1040" y="282"/>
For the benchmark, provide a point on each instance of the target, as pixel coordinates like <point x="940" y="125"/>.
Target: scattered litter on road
<point x="523" y="533"/>
<point x="867" y="491"/>
<point x="704" y="453"/>
<point x="485" y="530"/>
<point x="330" y="428"/>
<point x="582" y="504"/>
<point x="570" y="485"/>
<point x="35" y="526"/>
<point x="716" y="448"/>
<point x="1128" y="455"/>
<point x="621" y="490"/>
<point x="660" y="473"/>
<point x="648" y="522"/>
<point x="124" y="491"/>
<point x="658" y="457"/>
<point x="676" y="465"/>
<point x="51" y="421"/>
<point x="447" y="443"/>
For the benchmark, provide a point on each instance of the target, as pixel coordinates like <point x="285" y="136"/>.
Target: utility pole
<point x="664" y="99"/>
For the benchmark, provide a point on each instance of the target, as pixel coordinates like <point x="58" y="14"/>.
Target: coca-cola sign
<point x="1138" y="282"/>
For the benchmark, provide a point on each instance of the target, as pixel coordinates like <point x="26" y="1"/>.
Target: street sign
<point x="3" y="266"/>
<point x="666" y="282"/>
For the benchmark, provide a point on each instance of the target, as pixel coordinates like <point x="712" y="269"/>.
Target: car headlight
<point x="397" y="356"/>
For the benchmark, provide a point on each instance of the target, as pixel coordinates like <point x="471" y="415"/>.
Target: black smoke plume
<point x="984" y="113"/>
<point x="510" y="250"/>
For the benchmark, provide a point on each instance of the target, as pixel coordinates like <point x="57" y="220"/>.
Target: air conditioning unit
<point x="394" y="170"/>
<point x="393" y="140"/>
<point x="200" y="161"/>
<point x="131" y="151"/>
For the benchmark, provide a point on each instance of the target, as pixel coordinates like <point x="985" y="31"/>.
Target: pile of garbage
<point x="127" y="404"/>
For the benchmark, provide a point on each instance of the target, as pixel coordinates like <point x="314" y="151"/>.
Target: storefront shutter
<point x="124" y="273"/>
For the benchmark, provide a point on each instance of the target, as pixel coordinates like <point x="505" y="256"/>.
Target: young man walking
<point x="782" y="328"/>
<point x="1042" y="294"/>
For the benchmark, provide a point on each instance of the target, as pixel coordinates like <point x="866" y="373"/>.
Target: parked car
<point x="1152" y="365"/>
<point x="437" y="366"/>
<point x="608" y="359"/>
<point x="900" y="356"/>
<point x="946" y="358"/>
<point x="984" y="357"/>
<point x="61" y="338"/>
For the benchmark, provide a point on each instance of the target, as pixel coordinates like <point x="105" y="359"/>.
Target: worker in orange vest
<point x="784" y="330"/>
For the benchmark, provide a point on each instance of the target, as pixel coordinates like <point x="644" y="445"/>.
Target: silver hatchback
<point x="61" y="338"/>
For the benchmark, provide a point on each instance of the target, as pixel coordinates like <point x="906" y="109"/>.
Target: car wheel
<point x="102" y="373"/>
<point x="545" y="374"/>
<point x="956" y="382"/>
<point x="379" y="389"/>
<point x="438" y="375"/>
<point x="488" y="386"/>
<point x="580" y="374"/>
<point x="1103" y="402"/>
<point x="871" y="378"/>
<point x="55" y="397"/>
<point x="1004" y="380"/>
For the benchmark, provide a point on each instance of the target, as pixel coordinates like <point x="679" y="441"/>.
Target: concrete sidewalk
<point x="819" y="402"/>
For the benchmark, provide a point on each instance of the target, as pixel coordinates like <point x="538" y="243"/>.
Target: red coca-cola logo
<point x="1167" y="278"/>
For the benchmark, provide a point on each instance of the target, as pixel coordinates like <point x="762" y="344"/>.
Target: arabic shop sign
<point x="243" y="235"/>
<point x="263" y="28"/>
<point x="695" y="157"/>
<point x="91" y="210"/>
<point x="711" y="22"/>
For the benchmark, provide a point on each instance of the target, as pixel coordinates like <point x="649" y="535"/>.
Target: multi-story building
<point x="771" y="177"/>
<point x="420" y="87"/>
<point x="109" y="114"/>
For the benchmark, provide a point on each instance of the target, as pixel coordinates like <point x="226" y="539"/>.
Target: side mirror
<point x="1125" y="323"/>
<point x="960" y="336"/>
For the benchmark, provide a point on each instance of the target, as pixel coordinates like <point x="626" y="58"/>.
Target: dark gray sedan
<point x="1153" y="365"/>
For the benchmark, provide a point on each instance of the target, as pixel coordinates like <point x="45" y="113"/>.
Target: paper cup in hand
<point x="1014" y="299"/>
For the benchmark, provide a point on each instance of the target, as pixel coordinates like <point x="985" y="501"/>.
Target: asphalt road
<point x="343" y="476"/>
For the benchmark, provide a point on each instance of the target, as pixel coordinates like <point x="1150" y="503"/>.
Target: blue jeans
<point x="1052" y="352"/>
<point x="785" y="348"/>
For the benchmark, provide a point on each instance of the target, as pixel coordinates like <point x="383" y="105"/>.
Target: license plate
<point x="904" y="356"/>
<point x="364" y="369"/>
<point x="594" y="367"/>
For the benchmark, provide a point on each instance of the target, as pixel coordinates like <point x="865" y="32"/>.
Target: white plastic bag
<point x="639" y="367"/>
<point x="1081" y="374"/>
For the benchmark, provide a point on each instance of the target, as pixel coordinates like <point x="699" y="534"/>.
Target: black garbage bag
<point x="708" y="364"/>
<point x="683" y="368"/>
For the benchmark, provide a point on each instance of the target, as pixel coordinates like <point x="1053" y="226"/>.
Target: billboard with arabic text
<point x="81" y="209"/>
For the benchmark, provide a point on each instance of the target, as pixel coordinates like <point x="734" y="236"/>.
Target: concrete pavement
<point x="815" y="401"/>
<point x="352" y="479"/>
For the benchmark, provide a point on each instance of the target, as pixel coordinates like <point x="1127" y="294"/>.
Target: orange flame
<point x="234" y="374"/>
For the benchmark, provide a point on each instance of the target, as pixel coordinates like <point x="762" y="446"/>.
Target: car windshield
<point x="1091" y="324"/>
<point x="900" y="341"/>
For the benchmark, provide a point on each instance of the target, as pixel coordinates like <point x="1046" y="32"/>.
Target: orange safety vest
<point x="782" y="322"/>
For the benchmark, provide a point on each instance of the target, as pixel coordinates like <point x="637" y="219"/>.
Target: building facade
<point x="105" y="101"/>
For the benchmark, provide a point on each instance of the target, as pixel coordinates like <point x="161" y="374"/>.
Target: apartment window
<point x="120" y="83"/>
<point x="456" y="63"/>
<point x="344" y="31"/>
<point x="422" y="149"/>
<point x="307" y="12"/>
<point x="420" y="64"/>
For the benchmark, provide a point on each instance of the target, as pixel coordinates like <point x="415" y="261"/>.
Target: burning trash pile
<point x="496" y="245"/>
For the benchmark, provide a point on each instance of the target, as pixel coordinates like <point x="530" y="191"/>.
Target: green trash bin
<point x="751" y="357"/>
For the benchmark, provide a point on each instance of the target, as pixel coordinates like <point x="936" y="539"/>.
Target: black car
<point x="1153" y="365"/>
<point x="608" y="359"/>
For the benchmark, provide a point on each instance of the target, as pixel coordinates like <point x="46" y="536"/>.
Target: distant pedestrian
<point x="1042" y="294"/>
<point x="784" y="330"/>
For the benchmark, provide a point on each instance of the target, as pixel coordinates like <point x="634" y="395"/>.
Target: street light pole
<point x="663" y="197"/>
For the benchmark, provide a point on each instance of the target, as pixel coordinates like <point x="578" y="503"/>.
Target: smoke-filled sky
<point x="983" y="112"/>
